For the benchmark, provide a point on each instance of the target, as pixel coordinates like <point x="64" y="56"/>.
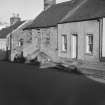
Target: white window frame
<point x="89" y="43"/>
<point x="64" y="42"/>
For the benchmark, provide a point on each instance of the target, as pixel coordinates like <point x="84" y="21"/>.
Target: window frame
<point x="89" y="43"/>
<point x="64" y="43"/>
<point x="21" y="42"/>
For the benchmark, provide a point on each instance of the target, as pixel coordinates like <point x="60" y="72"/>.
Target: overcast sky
<point x="28" y="9"/>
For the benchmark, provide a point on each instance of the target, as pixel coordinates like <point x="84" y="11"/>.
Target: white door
<point x="74" y="46"/>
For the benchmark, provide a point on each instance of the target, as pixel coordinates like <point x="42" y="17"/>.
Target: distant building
<point x="4" y="46"/>
<point x="21" y="40"/>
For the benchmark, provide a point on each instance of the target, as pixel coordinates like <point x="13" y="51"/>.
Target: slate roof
<point x="53" y="15"/>
<point x="91" y="9"/>
<point x="5" y="31"/>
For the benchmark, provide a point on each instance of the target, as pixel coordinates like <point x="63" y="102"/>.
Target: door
<point x="74" y="46"/>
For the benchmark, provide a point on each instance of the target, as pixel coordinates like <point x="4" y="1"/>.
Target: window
<point x="20" y="43"/>
<point x="89" y="43"/>
<point x="64" y="43"/>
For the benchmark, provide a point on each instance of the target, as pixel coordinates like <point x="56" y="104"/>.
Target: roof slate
<point x="53" y="15"/>
<point x="91" y="9"/>
<point x="5" y="31"/>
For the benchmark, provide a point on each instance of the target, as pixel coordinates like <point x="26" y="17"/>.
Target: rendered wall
<point x="81" y="29"/>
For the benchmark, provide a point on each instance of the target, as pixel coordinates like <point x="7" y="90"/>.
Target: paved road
<point x="27" y="85"/>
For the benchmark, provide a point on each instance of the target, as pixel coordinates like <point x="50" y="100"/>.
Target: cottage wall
<point x="49" y="42"/>
<point x="46" y="40"/>
<point x="18" y="35"/>
<point x="36" y="38"/>
<point x="81" y="29"/>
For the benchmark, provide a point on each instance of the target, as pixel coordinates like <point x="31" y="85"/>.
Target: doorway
<point x="74" y="46"/>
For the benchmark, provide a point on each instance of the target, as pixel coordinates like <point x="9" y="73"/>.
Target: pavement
<point x="95" y="71"/>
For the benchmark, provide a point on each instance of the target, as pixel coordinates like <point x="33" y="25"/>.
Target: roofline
<point x="81" y="20"/>
<point x="39" y="27"/>
<point x="26" y="29"/>
<point x="63" y="23"/>
<point x="44" y="11"/>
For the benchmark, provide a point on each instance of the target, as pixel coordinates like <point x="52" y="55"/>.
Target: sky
<point x="28" y="9"/>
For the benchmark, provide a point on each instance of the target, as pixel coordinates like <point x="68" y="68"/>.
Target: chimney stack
<point x="15" y="18"/>
<point x="48" y="3"/>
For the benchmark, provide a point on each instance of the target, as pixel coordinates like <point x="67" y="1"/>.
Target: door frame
<point x="76" y="45"/>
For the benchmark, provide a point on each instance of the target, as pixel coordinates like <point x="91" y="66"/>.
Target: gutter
<point x="81" y="20"/>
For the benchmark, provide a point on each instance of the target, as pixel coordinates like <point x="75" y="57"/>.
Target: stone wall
<point x="45" y="39"/>
<point x="20" y="39"/>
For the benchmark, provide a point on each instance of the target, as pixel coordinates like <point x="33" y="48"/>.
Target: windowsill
<point x="90" y="54"/>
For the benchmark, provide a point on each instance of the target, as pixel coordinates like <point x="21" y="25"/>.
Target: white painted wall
<point x="81" y="29"/>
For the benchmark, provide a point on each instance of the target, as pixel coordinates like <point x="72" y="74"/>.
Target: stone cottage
<point x="81" y="35"/>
